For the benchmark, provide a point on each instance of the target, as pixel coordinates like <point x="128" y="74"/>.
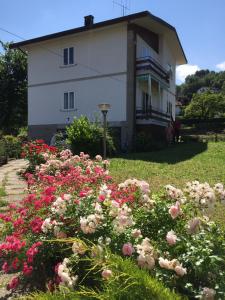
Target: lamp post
<point x="104" y="107"/>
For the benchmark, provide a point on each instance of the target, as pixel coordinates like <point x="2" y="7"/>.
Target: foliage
<point x="75" y="216"/>
<point x="214" y="81"/>
<point x="206" y="106"/>
<point x="13" y="89"/>
<point x="23" y="134"/>
<point x="3" y="154"/>
<point x="129" y="282"/>
<point x="37" y="152"/>
<point x="82" y="134"/>
<point x="13" y="146"/>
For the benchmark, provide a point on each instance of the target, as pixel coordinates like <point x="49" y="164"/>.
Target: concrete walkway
<point x="13" y="184"/>
<point x="15" y="189"/>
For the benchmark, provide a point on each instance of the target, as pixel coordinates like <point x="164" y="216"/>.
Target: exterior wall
<point x="98" y="75"/>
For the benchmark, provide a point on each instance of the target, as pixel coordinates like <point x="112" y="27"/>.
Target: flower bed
<point x="76" y="221"/>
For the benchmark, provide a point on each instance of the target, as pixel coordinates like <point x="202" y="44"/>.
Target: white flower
<point x="78" y="248"/>
<point x="46" y="225"/>
<point x="171" y="237"/>
<point x="65" y="274"/>
<point x="90" y="223"/>
<point x="59" y="206"/>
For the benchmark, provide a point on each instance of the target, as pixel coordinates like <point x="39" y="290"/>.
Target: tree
<point x="206" y="106"/>
<point x="214" y="81"/>
<point x="13" y="89"/>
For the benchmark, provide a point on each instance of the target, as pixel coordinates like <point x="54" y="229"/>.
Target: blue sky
<point x="200" y="23"/>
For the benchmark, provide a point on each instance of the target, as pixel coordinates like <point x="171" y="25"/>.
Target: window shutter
<point x="71" y="55"/>
<point x="71" y="100"/>
<point x="65" y="56"/>
<point x="66" y="101"/>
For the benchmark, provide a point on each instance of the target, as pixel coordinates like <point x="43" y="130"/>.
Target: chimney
<point x="88" y="21"/>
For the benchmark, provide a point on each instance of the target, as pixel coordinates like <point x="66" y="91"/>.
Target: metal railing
<point x="152" y="113"/>
<point x="149" y="63"/>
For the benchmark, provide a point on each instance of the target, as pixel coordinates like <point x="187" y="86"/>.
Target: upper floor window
<point x="69" y="101"/>
<point x="68" y="56"/>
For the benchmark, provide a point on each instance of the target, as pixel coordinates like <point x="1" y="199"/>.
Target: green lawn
<point x="175" y="165"/>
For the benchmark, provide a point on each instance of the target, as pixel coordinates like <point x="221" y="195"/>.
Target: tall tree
<point x="13" y="89"/>
<point x="206" y="106"/>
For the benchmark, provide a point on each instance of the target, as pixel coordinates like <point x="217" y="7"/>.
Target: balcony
<point x="149" y="64"/>
<point x="152" y="113"/>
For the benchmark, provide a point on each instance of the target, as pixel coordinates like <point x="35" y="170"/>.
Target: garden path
<point x="15" y="188"/>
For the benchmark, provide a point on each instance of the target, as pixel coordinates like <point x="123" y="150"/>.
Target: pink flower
<point x="106" y="274"/>
<point x="128" y="249"/>
<point x="180" y="270"/>
<point x="13" y="283"/>
<point x="175" y="210"/>
<point x="171" y="238"/>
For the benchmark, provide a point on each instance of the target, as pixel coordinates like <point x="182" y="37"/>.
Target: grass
<point x="2" y="192"/>
<point x="175" y="165"/>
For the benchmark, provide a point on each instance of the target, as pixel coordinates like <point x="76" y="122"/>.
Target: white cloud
<point x="221" y="66"/>
<point x="184" y="70"/>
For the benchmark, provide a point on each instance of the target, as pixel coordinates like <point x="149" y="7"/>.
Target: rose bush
<point x="75" y="217"/>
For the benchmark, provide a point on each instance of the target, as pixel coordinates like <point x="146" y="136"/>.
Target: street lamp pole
<point x="104" y="107"/>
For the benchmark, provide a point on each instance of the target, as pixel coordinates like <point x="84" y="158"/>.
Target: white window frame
<point x="68" y="57"/>
<point x="70" y="108"/>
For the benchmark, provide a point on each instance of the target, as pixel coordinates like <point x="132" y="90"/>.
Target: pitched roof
<point x="99" y="25"/>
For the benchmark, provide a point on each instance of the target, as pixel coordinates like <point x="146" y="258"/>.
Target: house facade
<point x="128" y="62"/>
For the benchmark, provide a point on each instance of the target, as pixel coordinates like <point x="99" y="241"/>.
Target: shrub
<point x="13" y="146"/>
<point x="82" y="134"/>
<point x="3" y="154"/>
<point x="23" y="134"/>
<point x="37" y="152"/>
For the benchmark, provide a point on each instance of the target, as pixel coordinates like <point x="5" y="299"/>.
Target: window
<point x="68" y="101"/>
<point x="68" y="56"/>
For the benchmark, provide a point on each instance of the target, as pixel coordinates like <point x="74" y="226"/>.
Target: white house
<point x="128" y="62"/>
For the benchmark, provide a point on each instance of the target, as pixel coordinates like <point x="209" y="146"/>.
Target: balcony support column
<point x="150" y="89"/>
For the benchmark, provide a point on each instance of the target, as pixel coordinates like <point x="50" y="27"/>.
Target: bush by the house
<point x="78" y="229"/>
<point x="83" y="134"/>
<point x="13" y="146"/>
<point x="3" y="155"/>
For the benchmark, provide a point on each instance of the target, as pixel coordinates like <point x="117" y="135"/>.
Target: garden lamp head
<point x="104" y="107"/>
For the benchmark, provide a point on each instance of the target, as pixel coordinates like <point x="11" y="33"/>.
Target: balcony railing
<point x="152" y="113"/>
<point x="149" y="63"/>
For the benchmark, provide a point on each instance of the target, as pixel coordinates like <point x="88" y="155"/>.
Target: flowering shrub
<point x="37" y="152"/>
<point x="75" y="216"/>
